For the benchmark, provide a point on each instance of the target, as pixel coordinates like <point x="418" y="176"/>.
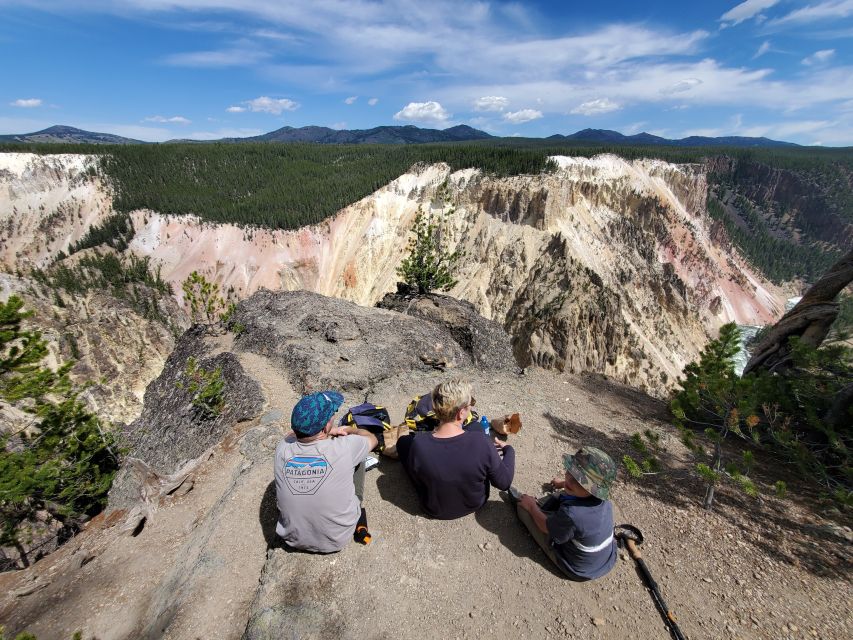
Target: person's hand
<point x="558" y="482"/>
<point x="499" y="444"/>
<point x="338" y="431"/>
<point x="527" y="502"/>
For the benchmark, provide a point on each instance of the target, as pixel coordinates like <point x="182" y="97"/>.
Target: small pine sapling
<point x="430" y="265"/>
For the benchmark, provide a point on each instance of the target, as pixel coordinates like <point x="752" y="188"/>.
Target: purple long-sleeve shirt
<point x="452" y="475"/>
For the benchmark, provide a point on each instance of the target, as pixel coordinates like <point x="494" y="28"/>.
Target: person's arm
<point x="355" y="431"/>
<point x="371" y="438"/>
<point x="501" y="471"/>
<point x="540" y="519"/>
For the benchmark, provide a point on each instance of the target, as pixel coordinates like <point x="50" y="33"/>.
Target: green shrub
<point x="207" y="388"/>
<point x="781" y="411"/>
<point x="64" y="461"/>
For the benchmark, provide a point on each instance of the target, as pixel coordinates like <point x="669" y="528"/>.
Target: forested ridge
<point x="295" y="184"/>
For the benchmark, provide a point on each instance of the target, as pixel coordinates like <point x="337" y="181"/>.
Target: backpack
<point x="421" y="417"/>
<point x="369" y="417"/>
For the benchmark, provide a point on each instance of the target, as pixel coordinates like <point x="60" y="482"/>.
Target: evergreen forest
<point x="290" y="185"/>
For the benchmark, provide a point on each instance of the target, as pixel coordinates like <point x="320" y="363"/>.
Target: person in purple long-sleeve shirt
<point x="451" y="468"/>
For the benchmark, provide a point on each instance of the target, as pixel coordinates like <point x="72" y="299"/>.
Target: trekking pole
<point x="631" y="537"/>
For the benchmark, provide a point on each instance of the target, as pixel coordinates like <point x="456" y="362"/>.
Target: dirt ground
<point x="751" y="568"/>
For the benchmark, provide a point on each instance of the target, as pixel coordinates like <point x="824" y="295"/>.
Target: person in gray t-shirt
<point x="319" y="477"/>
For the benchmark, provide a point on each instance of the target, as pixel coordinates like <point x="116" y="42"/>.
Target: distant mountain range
<point x="60" y="133"/>
<point x="401" y="135"/>
<point x="606" y="136"/>
<point x="378" y="135"/>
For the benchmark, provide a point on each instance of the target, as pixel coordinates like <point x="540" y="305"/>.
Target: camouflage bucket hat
<point x="593" y="469"/>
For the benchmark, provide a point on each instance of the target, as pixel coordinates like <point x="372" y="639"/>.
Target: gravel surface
<point x="750" y="569"/>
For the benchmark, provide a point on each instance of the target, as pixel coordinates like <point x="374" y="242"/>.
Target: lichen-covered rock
<point x="484" y="340"/>
<point x="171" y="429"/>
<point x="322" y="342"/>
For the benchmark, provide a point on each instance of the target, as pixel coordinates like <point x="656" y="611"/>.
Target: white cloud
<point x="274" y="106"/>
<point x="430" y="112"/>
<point x="764" y="48"/>
<point x="524" y="115"/>
<point x="351" y="99"/>
<point x="26" y="103"/>
<point x="745" y="11"/>
<point x="265" y="104"/>
<point x="173" y="119"/>
<point x="818" y="57"/>
<point x="681" y="86"/>
<point x="224" y="58"/>
<point x="491" y="103"/>
<point x="596" y="107"/>
<point x="373" y="102"/>
<point x="338" y="125"/>
<point x="831" y="10"/>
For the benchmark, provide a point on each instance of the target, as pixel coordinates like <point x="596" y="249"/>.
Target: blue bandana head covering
<point x="312" y="412"/>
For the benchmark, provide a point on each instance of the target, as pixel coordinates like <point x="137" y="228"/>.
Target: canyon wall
<point x="604" y="265"/>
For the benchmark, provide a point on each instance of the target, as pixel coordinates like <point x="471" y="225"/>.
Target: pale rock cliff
<point x="604" y="265"/>
<point x="116" y="348"/>
<point x="47" y="202"/>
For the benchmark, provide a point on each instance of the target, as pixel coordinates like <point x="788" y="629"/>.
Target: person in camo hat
<point x="574" y="525"/>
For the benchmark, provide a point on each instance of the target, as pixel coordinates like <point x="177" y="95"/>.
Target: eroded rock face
<point x="649" y="280"/>
<point x="47" y="202"/>
<point x="604" y="263"/>
<point x="117" y="350"/>
<point x="484" y="340"/>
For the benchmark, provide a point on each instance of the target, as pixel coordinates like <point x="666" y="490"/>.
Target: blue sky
<point x="162" y="69"/>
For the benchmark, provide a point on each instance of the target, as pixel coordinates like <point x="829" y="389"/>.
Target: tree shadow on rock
<point x="395" y="487"/>
<point x="617" y="399"/>
<point x="500" y="519"/>
<point x="766" y="524"/>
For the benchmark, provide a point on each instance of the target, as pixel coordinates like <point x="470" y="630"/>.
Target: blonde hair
<point x="449" y="397"/>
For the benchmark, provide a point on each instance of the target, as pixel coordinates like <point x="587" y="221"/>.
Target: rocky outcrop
<point x="320" y="343"/>
<point x="485" y="341"/>
<point x="174" y="429"/>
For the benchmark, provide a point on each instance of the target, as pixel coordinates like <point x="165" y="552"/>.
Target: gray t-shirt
<point x="317" y="505"/>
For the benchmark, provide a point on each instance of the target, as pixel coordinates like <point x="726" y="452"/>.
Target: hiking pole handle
<point x="633" y="549"/>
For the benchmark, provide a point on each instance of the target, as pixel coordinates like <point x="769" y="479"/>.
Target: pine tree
<point x="63" y="461"/>
<point x="429" y="265"/>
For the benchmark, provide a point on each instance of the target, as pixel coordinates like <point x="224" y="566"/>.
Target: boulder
<point x="322" y="343"/>
<point x="485" y="341"/>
